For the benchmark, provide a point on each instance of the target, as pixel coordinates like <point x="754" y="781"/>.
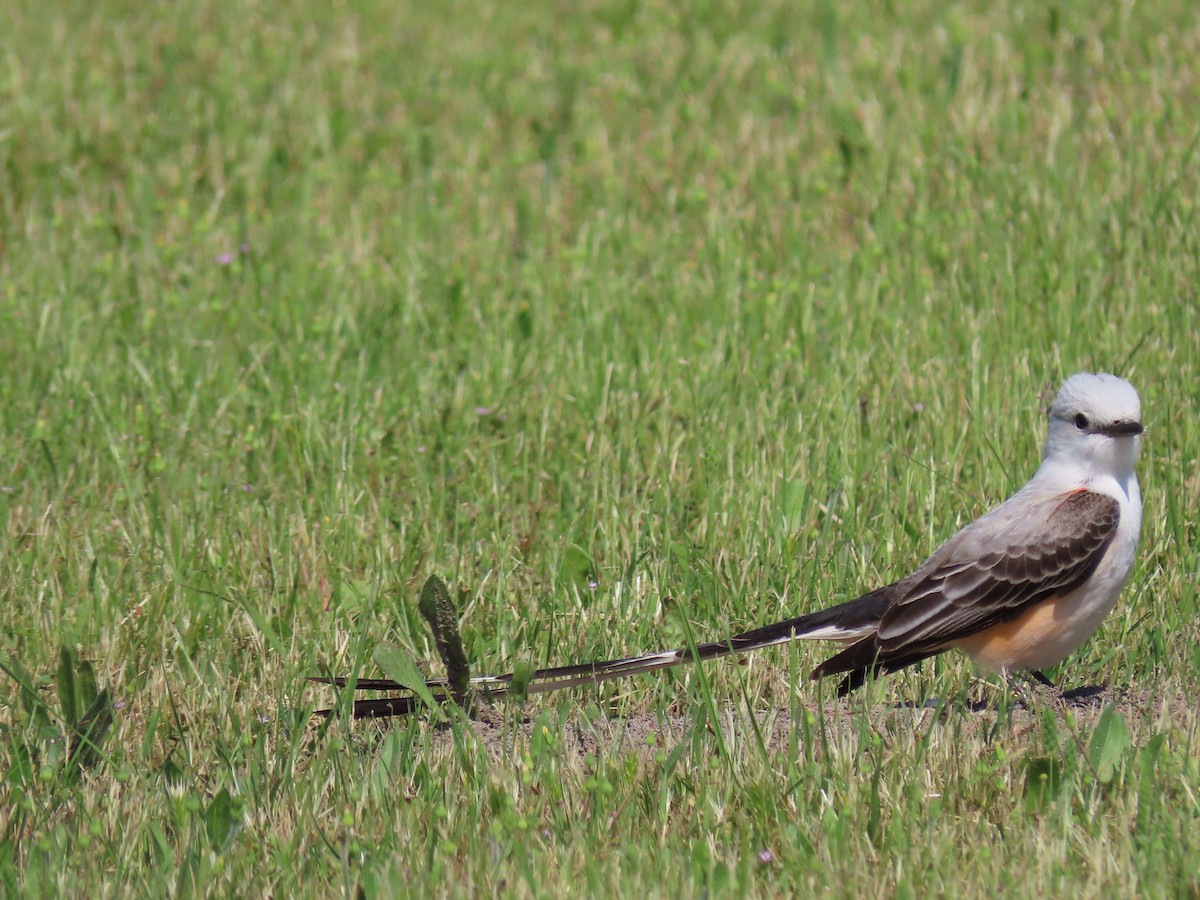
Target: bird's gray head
<point x="1096" y="420"/>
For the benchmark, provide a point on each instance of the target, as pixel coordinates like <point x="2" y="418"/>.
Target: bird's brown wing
<point x="989" y="573"/>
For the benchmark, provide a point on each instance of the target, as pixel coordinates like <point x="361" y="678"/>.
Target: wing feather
<point x="961" y="590"/>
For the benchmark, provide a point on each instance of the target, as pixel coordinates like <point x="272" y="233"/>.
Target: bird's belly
<point x="1040" y="637"/>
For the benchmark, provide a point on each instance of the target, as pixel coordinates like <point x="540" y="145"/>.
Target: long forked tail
<point x="847" y="622"/>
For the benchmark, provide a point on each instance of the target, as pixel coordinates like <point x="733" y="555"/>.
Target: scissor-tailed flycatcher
<point x="1017" y="590"/>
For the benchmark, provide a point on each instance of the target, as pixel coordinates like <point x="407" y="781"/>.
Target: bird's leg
<point x="1029" y="687"/>
<point x="1041" y="679"/>
<point x="1020" y="687"/>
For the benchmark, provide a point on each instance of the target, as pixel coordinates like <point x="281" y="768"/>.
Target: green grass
<point x="631" y="322"/>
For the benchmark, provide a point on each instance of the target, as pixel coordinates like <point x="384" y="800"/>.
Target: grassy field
<point x="636" y="323"/>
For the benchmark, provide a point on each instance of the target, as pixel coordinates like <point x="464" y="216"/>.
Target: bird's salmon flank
<point x="1029" y="642"/>
<point x="1019" y="589"/>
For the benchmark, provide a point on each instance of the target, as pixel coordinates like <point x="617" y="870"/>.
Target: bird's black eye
<point x="1081" y="421"/>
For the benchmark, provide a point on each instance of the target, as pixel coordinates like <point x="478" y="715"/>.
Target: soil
<point x="588" y="731"/>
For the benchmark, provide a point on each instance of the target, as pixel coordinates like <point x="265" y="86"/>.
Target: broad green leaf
<point x="223" y="820"/>
<point x="68" y="695"/>
<point x="86" y="684"/>
<point x="522" y="676"/>
<point x="438" y="610"/>
<point x="90" y="730"/>
<point x="1109" y="744"/>
<point x="400" y="667"/>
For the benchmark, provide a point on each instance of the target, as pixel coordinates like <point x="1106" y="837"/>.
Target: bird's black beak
<point x="1119" y="429"/>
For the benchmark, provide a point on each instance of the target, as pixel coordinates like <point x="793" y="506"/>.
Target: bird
<point x="1017" y="590"/>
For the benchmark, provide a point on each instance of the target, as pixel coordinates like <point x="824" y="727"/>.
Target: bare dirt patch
<point x="502" y="732"/>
